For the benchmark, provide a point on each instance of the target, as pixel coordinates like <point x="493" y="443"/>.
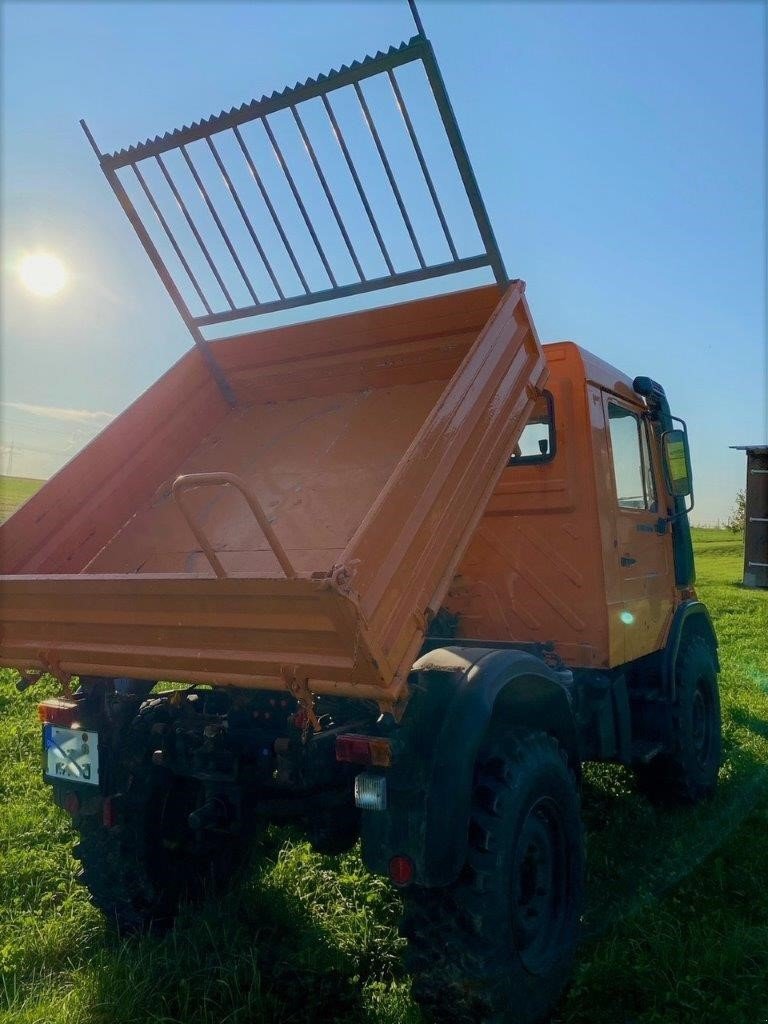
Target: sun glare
<point x="42" y="274"/>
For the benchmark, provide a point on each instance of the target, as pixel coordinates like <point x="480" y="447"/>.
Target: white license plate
<point x="71" y="754"/>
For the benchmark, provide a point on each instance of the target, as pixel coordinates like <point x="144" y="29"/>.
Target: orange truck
<point x="407" y="568"/>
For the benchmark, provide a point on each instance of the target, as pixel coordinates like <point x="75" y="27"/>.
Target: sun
<point x="43" y="274"/>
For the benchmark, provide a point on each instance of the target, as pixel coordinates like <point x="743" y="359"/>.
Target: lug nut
<point x="158" y="757"/>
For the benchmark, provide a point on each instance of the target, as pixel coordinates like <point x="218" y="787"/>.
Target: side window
<point x="537" y="441"/>
<point x="631" y="459"/>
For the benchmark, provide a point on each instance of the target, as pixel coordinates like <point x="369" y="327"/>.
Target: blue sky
<point x="619" y="147"/>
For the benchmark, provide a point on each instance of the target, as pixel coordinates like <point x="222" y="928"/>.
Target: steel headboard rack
<point x="211" y="131"/>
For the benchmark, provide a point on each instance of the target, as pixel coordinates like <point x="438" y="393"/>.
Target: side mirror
<point x="677" y="463"/>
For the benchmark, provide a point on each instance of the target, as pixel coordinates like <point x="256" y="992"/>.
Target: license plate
<point x="71" y="754"/>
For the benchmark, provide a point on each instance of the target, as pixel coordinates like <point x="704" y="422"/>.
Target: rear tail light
<point x="370" y="792"/>
<point x="59" y="711"/>
<point x="354" y="749"/>
<point x="72" y="803"/>
<point x="401" y="870"/>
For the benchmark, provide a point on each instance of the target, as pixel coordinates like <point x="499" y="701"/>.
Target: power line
<point x="57" y="424"/>
<point x="13" y="447"/>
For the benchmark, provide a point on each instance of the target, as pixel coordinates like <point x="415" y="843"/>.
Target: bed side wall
<point x="404" y="555"/>
<point x="407" y="343"/>
<point x="64" y="525"/>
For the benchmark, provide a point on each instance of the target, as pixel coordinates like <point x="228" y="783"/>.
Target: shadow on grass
<point x="259" y="955"/>
<point x="756" y="724"/>
<point x="638" y="852"/>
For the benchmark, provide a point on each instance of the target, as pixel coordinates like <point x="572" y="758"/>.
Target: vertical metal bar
<point x="356" y="178"/>
<point x="138" y="226"/>
<point x="193" y="228"/>
<point x="388" y="169"/>
<point x="462" y="161"/>
<point x="265" y="196"/>
<point x="422" y="162"/>
<point x="219" y="225"/>
<point x="281" y="160"/>
<point x="416" y="17"/>
<point x="169" y="233"/>
<point x="244" y="215"/>
<point x="328" y="195"/>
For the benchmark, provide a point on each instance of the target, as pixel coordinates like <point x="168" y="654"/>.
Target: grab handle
<point x="191" y="480"/>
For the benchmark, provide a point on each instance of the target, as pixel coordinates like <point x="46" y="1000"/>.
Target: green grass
<point x="14" y="491"/>
<point x="676" y="923"/>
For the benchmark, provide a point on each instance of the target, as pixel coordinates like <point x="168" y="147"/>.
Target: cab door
<point x="642" y="540"/>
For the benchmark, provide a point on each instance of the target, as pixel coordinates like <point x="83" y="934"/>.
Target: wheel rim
<point x="701" y="722"/>
<point x="539" y="890"/>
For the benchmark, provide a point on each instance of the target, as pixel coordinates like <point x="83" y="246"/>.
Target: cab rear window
<point x="537" y="441"/>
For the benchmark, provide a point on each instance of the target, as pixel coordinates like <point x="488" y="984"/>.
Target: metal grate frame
<point x="418" y="49"/>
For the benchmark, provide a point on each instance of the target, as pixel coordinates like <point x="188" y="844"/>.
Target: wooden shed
<point x="756" y="516"/>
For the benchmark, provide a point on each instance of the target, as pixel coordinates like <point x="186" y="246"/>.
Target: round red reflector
<point x="72" y="803"/>
<point x="401" y="869"/>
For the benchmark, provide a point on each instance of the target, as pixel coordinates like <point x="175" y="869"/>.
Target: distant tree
<point x="738" y="517"/>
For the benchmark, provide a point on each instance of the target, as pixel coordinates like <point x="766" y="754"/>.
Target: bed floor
<point x="315" y="464"/>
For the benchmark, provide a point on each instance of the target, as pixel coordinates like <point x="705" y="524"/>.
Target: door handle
<point x="627" y="560"/>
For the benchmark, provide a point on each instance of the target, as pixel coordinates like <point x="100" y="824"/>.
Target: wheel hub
<point x="701" y="723"/>
<point x="539" y="886"/>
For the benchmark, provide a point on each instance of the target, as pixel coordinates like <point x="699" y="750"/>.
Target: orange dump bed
<point x="318" y="521"/>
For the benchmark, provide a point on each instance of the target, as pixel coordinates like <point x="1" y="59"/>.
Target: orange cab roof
<point x="595" y="370"/>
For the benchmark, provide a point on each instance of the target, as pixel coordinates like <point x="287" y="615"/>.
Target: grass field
<point x="14" y="491"/>
<point x="676" y="928"/>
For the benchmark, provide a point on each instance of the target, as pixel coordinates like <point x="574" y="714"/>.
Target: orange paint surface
<point x="371" y="442"/>
<point x="545" y="562"/>
<point x="376" y="445"/>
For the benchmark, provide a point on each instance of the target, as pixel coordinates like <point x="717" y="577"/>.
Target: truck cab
<point x="576" y="545"/>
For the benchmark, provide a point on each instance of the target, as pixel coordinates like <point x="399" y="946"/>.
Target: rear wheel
<point x="687" y="773"/>
<point x="336" y="831"/>
<point x="149" y="861"/>
<point x="498" y="945"/>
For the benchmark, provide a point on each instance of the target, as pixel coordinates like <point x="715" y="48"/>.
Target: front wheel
<point x="498" y="944"/>
<point x="687" y="772"/>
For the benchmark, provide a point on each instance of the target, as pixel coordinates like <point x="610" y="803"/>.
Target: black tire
<point x="336" y="831"/>
<point x="687" y="773"/>
<point x="140" y="871"/>
<point x="498" y="945"/>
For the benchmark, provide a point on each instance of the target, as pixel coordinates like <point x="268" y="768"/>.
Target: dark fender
<point x="690" y="618"/>
<point x="456" y="692"/>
